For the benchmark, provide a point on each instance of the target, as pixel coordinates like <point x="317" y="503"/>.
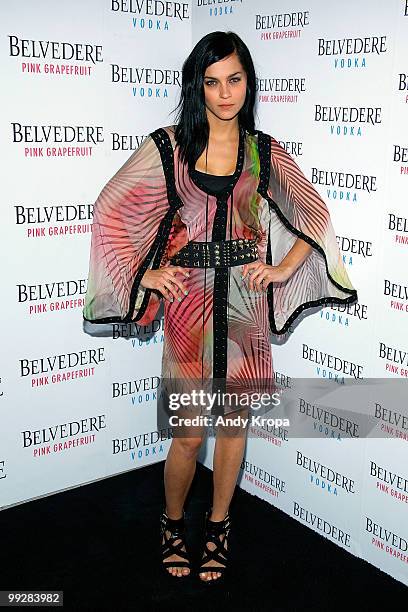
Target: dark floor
<point x="100" y="545"/>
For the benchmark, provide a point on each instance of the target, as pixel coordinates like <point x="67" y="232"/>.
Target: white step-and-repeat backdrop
<point x="84" y="83"/>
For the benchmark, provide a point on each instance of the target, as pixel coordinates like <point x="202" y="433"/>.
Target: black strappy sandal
<point x="213" y="531"/>
<point x="176" y="527"/>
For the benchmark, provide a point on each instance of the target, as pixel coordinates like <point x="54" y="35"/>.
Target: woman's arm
<point x="295" y="256"/>
<point x="260" y="272"/>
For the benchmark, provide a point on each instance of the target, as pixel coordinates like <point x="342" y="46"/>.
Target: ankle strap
<point x="218" y="526"/>
<point x="173" y="522"/>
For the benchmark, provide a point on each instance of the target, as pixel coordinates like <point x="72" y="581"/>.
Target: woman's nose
<point x="225" y="91"/>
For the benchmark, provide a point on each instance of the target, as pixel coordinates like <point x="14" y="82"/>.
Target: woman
<point x="216" y="218"/>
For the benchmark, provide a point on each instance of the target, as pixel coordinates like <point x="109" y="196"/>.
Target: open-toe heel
<point x="173" y="544"/>
<point x="214" y="530"/>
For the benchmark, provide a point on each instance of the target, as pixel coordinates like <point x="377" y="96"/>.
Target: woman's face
<point x="225" y="87"/>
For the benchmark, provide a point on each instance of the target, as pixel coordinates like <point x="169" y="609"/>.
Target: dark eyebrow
<point x="230" y="75"/>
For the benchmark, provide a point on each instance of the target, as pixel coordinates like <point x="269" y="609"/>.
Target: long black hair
<point x="192" y="128"/>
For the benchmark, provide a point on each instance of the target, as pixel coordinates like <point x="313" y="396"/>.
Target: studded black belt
<point x="224" y="253"/>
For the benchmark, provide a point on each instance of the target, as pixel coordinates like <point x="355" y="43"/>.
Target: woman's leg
<point x="228" y="453"/>
<point x="179" y="470"/>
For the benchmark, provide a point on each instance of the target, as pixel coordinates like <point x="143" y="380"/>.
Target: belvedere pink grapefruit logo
<point x="55" y="58"/>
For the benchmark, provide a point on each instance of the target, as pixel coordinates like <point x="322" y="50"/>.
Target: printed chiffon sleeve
<point x="127" y="235"/>
<point x="298" y="211"/>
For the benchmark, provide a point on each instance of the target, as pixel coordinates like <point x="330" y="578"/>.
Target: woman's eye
<point x="233" y="80"/>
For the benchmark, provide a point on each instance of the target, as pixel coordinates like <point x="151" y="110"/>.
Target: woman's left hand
<point x="260" y="275"/>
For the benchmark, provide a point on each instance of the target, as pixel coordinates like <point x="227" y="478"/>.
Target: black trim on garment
<point x="220" y="322"/>
<point x="221" y="277"/>
<point x="163" y="143"/>
<point x="264" y="150"/>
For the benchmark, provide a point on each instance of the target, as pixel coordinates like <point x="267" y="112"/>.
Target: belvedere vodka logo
<point x="317" y="522"/>
<point x="262" y="479"/>
<point x="126" y="142"/>
<point x="344" y="314"/>
<point x="151" y="15"/>
<point x="147" y="82"/>
<point x="272" y="433"/>
<point x="143" y="445"/>
<point x="352" y="53"/>
<point x="398" y="225"/>
<point x="331" y="366"/>
<point x="325" y="477"/>
<point x="294" y="148"/>
<point x="282" y="380"/>
<point x="352" y="248"/>
<point x="140" y="336"/>
<point x="70" y="59"/>
<point x="280" y="89"/>
<point x="389" y="483"/>
<point x="217" y="8"/>
<point x="394" y="358"/>
<point x="326" y="422"/>
<point x="54" y="220"/>
<point x="348" y="120"/>
<point x="55" y="369"/>
<point x="63" y="437"/>
<point x="400" y="157"/>
<point x="344" y="187"/>
<point x="280" y="26"/>
<point x="138" y="391"/>
<point x="57" y="140"/>
<point x="56" y="296"/>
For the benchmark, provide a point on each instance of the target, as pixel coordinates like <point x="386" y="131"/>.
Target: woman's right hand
<point x="165" y="280"/>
